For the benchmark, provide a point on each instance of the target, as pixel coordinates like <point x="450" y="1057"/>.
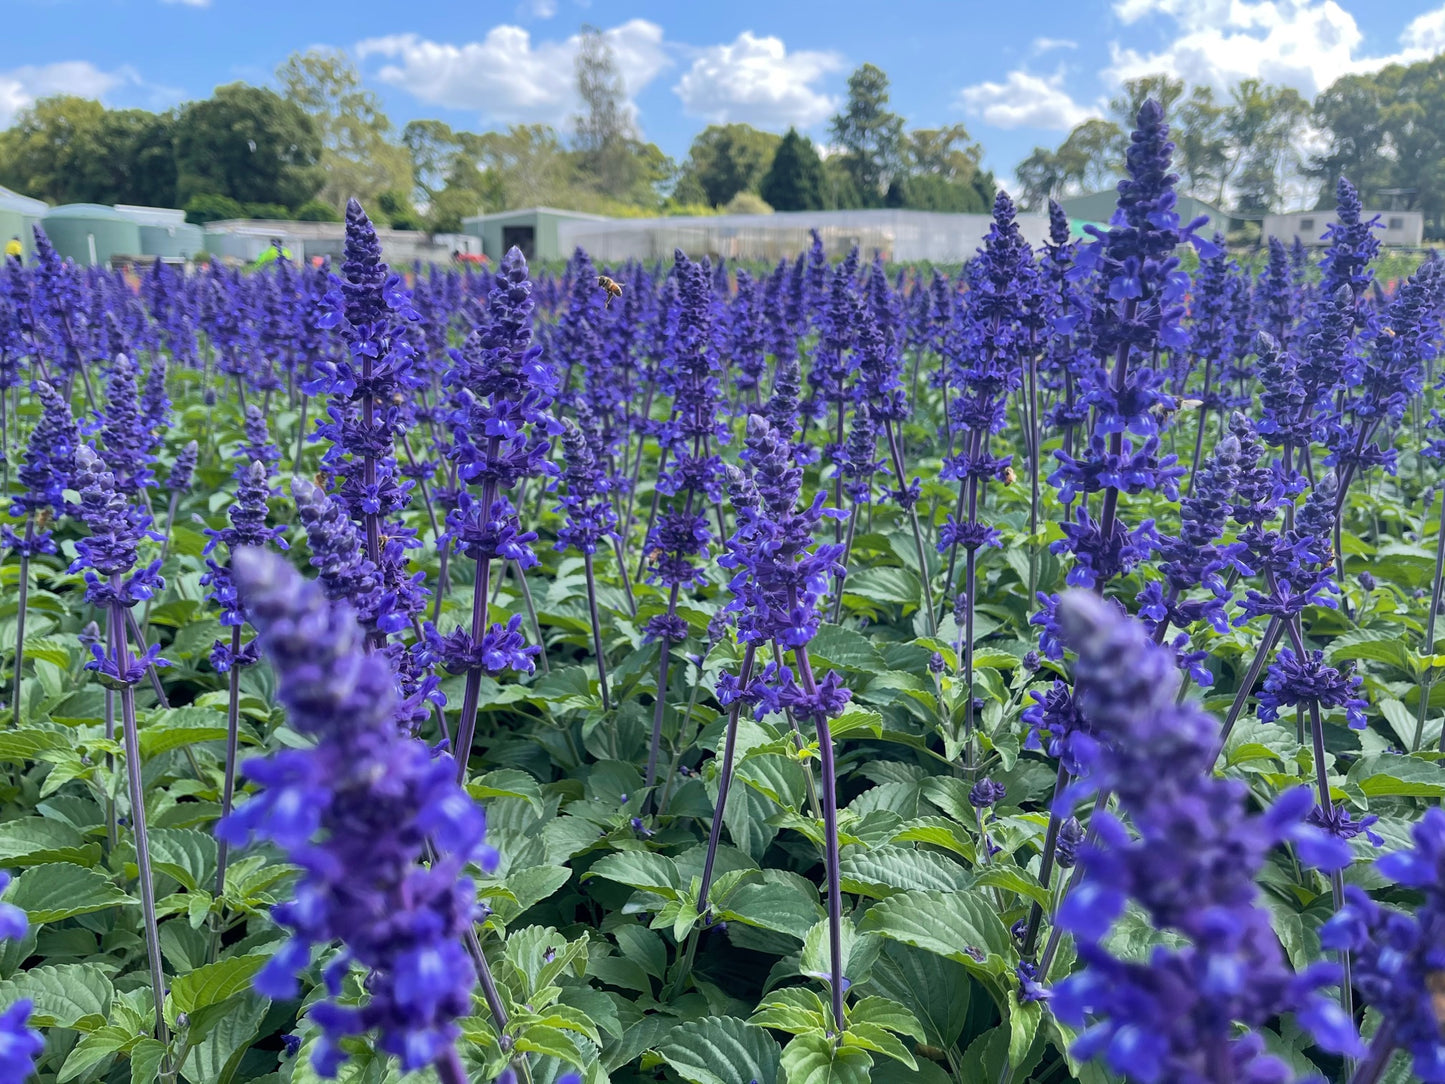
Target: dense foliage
<point x="821" y="675"/>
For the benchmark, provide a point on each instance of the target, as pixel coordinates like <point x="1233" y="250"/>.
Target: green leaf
<point x="60" y="890"/>
<point x="845" y="648"/>
<point x="1387" y="776"/>
<point x="212" y="984"/>
<point x="539" y="1039"/>
<point x="882" y="871"/>
<point x="27" y="743"/>
<point x="779" y="902"/>
<point x="720" y="1050"/>
<point x="217" y="1057"/>
<point x="64" y="995"/>
<point x="1023" y="1021"/>
<point x="813" y="1059"/>
<point x="872" y="1037"/>
<point x="1014" y="880"/>
<point x="145" y="1061"/>
<point x="640" y="869"/>
<point x="508" y="783"/>
<point x="893" y="585"/>
<point x="32" y="841"/>
<point x="858" y="952"/>
<point x="93" y="1049"/>
<point x="185" y="854"/>
<point x="937" y="991"/>
<point x="794" y="1009"/>
<point x="949" y="924"/>
<point x="885" y="1013"/>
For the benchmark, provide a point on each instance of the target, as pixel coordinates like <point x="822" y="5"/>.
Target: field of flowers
<point x="823" y="674"/>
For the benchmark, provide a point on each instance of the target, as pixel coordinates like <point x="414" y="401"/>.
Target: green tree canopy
<point x="359" y="154"/>
<point x="250" y="144"/>
<point x="726" y="159"/>
<point x="795" y="180"/>
<point x="870" y="135"/>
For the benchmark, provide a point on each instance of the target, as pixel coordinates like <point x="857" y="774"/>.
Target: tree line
<point x="300" y="150"/>
<point x="1262" y="147"/>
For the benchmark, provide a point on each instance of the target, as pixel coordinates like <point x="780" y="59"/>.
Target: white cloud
<point x="536" y="9"/>
<point x="1044" y="45"/>
<point x="20" y="87"/>
<point x="757" y="81"/>
<point x="506" y="77"/>
<point x="189" y="3"/>
<point x="1024" y="100"/>
<point x="1305" y="44"/>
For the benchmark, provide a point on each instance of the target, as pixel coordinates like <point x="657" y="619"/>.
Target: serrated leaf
<point x="212" y="984"/>
<point x="882" y="871"/>
<point x="937" y="991"/>
<point x="62" y="994"/>
<point x="92" y="1049"/>
<point x="1389" y="776"/>
<point x="873" y="1038"/>
<point x="845" y="648"/>
<point x="721" y="1050"/>
<point x="508" y="783"/>
<point x="858" y="952"/>
<point x="640" y="869"/>
<point x="813" y="1059"/>
<point x="185" y="854"/>
<point x="145" y="1061"/>
<point x="960" y="926"/>
<point x="31" y="841"/>
<point x="60" y="890"/>
<point x="779" y="903"/>
<point x="27" y="743"/>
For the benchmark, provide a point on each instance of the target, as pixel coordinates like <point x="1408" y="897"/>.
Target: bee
<point x="613" y="289"/>
<point x="654" y="555"/>
<point x="1159" y="410"/>
<point x="1435" y="983"/>
<point x="1009" y="477"/>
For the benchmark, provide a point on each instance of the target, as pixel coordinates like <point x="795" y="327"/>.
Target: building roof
<point x="87" y="210"/>
<point x="524" y="211"/>
<point x="151" y="216"/>
<point x="15" y="202"/>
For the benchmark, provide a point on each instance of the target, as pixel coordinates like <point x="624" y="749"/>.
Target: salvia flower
<point x="46" y="471"/>
<point x="19" y="1045"/>
<point x="1399" y="956"/>
<point x="1190" y="863"/>
<point x="357" y="812"/>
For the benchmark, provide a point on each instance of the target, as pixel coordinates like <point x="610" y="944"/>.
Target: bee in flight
<point x="614" y="289"/>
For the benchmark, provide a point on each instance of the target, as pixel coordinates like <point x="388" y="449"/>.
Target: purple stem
<point x="121" y="655"/>
<point x="830" y="844"/>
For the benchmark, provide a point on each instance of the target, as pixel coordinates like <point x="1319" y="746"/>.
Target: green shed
<point x="19" y="215"/>
<point x="164" y="232"/>
<point x="91" y="234"/>
<point x="533" y="230"/>
<point x="1099" y="207"/>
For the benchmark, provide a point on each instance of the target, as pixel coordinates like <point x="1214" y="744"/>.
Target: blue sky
<point x="1017" y="74"/>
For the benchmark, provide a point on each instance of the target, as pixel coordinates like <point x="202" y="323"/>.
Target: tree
<point x="358" y="156"/>
<point x="208" y="207"/>
<point x="795" y="180"/>
<point x="1093" y="154"/>
<point x="1351" y="114"/>
<point x="942" y="172"/>
<point x="433" y="148"/>
<point x="1262" y="122"/>
<point x="1041" y="178"/>
<point x="316" y="211"/>
<point x="726" y="159"/>
<point x="525" y="166"/>
<point x="37" y="151"/>
<point x="1164" y="89"/>
<point x="871" y="136"/>
<point x="1203" y="142"/>
<point x="247" y="143"/>
<point x="604" y="129"/>
<point x="128" y="157"/>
